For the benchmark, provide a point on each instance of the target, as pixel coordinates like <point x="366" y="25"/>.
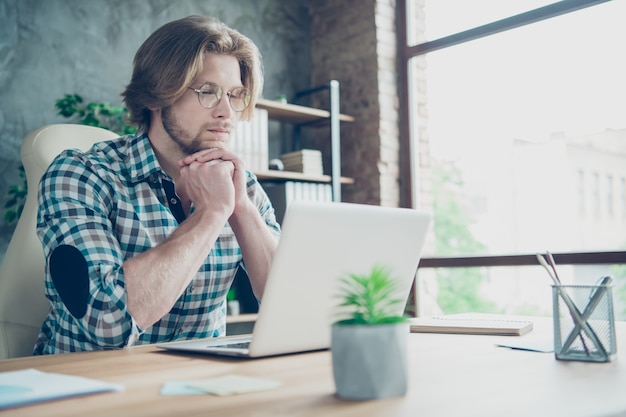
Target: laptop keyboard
<point x="239" y="345"/>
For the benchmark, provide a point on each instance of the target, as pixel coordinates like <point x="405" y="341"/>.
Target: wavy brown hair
<point x="167" y="63"/>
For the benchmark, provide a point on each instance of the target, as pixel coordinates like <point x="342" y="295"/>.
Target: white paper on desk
<point x="234" y="384"/>
<point x="31" y="386"/>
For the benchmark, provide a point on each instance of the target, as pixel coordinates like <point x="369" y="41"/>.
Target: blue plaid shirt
<point x="111" y="204"/>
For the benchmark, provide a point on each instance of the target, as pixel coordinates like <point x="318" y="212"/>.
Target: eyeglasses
<point x="210" y="94"/>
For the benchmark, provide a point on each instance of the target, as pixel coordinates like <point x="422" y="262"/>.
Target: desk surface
<point x="450" y="375"/>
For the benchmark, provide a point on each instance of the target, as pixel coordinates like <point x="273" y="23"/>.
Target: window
<point x="609" y="196"/>
<point x="623" y="196"/>
<point x="529" y="121"/>
<point x="581" y="192"/>
<point x="446" y="17"/>
<point x="595" y="202"/>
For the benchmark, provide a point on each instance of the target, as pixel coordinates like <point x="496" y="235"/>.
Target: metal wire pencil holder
<point x="584" y="323"/>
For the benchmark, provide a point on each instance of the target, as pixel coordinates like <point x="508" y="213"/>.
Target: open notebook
<point x="320" y="243"/>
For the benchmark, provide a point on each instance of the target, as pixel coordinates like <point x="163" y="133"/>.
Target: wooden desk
<point x="450" y="375"/>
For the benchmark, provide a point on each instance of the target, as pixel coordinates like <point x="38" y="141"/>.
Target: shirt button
<point x="173" y="200"/>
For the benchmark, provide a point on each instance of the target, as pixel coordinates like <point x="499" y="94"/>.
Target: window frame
<point x="407" y="160"/>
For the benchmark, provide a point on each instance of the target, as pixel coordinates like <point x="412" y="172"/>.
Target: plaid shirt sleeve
<point x="75" y="212"/>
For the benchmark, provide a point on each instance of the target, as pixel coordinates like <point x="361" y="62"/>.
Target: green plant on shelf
<point x="72" y="107"/>
<point x="99" y="114"/>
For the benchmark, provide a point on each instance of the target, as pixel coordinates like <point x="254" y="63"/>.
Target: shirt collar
<point x="142" y="161"/>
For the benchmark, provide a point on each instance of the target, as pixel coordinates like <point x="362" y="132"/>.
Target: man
<point x="143" y="235"/>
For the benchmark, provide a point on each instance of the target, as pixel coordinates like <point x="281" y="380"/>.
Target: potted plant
<point x="99" y="114"/>
<point x="369" y="340"/>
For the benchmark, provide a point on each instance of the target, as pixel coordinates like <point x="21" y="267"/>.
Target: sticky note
<point x="234" y="384"/>
<point x="180" y="388"/>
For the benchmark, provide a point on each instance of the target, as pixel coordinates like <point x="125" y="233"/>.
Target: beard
<point x="187" y="144"/>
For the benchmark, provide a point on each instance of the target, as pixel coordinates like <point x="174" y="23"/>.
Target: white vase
<point x="233" y="308"/>
<point x="370" y="361"/>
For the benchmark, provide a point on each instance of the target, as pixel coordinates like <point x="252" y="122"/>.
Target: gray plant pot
<point x="369" y="362"/>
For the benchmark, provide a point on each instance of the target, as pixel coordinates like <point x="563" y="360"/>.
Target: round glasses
<point x="210" y="94"/>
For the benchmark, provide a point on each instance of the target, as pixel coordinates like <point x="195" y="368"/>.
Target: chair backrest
<point x="23" y="305"/>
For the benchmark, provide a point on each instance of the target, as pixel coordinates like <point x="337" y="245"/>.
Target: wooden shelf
<point x="241" y="318"/>
<point x="296" y="114"/>
<point x="301" y="116"/>
<point x="297" y="176"/>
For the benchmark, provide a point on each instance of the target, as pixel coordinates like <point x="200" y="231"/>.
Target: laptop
<point x="320" y="243"/>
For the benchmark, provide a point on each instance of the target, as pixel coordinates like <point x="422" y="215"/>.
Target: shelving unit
<point x="297" y="176"/>
<point x="303" y="116"/>
<point x="300" y="116"/>
<point x="296" y="114"/>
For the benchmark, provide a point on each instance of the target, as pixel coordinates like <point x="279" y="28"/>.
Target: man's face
<point x="193" y="127"/>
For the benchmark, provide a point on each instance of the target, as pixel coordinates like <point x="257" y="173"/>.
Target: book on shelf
<point x="250" y="141"/>
<point x="307" y="170"/>
<point x="307" y="161"/>
<point x="472" y="323"/>
<point x="283" y="193"/>
<point x="302" y="153"/>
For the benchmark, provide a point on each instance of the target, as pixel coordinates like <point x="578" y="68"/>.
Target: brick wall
<point x="354" y="42"/>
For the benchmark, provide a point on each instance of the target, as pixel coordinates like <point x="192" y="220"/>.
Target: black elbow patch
<point x="68" y="269"/>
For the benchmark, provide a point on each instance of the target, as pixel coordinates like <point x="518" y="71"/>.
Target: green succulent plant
<point x="369" y="299"/>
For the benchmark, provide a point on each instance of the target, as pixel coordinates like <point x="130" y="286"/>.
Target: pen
<point x="550" y="266"/>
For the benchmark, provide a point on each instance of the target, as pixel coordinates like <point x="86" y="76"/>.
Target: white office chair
<point x="23" y="305"/>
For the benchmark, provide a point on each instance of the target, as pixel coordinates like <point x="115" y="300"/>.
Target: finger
<point x="234" y="158"/>
<point x="201" y="156"/>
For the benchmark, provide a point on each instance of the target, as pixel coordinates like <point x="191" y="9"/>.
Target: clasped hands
<point x="213" y="179"/>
